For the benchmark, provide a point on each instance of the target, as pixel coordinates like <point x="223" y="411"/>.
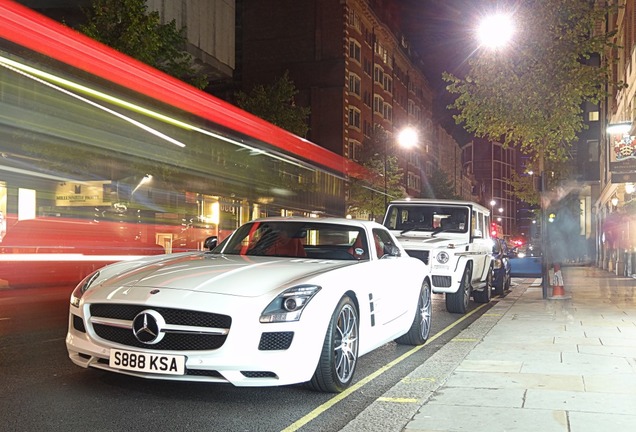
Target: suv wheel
<point x="483" y="296"/>
<point x="457" y="302"/>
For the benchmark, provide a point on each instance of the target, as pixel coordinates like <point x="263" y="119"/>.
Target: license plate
<point x="146" y="362"/>
<point x="440" y="267"/>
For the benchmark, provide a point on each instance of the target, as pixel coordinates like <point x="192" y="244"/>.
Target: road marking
<point x="407" y="380"/>
<point x="398" y="400"/>
<point x="331" y="402"/>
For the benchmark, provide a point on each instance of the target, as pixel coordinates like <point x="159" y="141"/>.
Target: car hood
<point x="220" y="274"/>
<point x="418" y="242"/>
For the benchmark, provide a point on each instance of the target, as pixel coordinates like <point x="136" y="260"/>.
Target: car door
<point x="390" y="291"/>
<point x="480" y="244"/>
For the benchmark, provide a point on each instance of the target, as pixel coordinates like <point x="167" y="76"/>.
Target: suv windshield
<point x="433" y="218"/>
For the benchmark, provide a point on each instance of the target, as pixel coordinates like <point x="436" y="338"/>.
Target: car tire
<point x="457" y="302"/>
<point x="339" y="355"/>
<point x="500" y="287"/>
<point x="484" y="295"/>
<point x="421" y="326"/>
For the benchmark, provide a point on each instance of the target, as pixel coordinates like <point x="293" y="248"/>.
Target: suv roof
<point x="416" y="201"/>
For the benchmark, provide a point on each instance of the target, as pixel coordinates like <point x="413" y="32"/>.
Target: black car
<point x="501" y="266"/>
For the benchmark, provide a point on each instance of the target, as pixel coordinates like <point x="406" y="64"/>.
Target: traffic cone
<point x="557" y="282"/>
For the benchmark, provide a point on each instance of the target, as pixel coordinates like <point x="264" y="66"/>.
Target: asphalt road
<point x="43" y="391"/>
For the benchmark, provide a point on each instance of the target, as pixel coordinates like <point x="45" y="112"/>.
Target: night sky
<point x="443" y="33"/>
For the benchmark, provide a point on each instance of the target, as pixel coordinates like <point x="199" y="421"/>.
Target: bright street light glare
<point x="495" y="31"/>
<point x="407" y="137"/>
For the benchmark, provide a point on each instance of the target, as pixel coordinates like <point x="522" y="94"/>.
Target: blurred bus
<point x="103" y="158"/>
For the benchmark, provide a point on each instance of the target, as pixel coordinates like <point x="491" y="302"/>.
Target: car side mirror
<point x="391" y="250"/>
<point x="211" y="242"/>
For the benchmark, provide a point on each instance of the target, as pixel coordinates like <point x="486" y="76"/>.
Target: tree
<point x="275" y="103"/>
<point x="130" y="28"/>
<point x="531" y="95"/>
<point x="367" y="197"/>
<point x="439" y="185"/>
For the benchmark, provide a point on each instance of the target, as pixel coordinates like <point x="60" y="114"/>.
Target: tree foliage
<point x="438" y="185"/>
<point x="367" y="197"/>
<point x="531" y="94"/>
<point x="130" y="28"/>
<point x="275" y="103"/>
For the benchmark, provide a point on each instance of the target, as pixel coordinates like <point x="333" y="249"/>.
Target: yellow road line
<point x="340" y="396"/>
<point x="397" y="400"/>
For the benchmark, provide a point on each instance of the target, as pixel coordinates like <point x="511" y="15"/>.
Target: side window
<point x="478" y="224"/>
<point x="381" y="239"/>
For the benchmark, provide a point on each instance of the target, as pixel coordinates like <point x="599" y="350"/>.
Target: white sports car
<point x="281" y="301"/>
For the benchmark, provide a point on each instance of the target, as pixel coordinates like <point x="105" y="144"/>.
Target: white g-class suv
<point x="453" y="238"/>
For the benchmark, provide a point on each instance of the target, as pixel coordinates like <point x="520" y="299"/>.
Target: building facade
<point x="615" y="205"/>
<point x="352" y="69"/>
<point x="492" y="165"/>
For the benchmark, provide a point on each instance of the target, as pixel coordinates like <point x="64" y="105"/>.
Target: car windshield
<point x="297" y="239"/>
<point x="433" y="218"/>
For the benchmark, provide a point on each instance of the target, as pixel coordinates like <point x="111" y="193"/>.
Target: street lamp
<point x="406" y="138"/>
<point x="495" y="31"/>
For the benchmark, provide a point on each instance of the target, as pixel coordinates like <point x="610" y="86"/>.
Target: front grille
<point x="171" y="341"/>
<point x="419" y="254"/>
<point x="441" y="281"/>
<point x="271" y="341"/>
<point x="172" y="316"/>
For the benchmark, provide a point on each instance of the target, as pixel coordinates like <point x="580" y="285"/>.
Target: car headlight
<point x="82" y="287"/>
<point x="289" y="305"/>
<point x="442" y="257"/>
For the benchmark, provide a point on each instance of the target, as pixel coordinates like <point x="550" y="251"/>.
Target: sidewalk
<point x="528" y="364"/>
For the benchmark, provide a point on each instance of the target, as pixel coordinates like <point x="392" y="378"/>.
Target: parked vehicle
<point x="527" y="261"/>
<point x="500" y="266"/>
<point x="281" y="301"/>
<point x="454" y="238"/>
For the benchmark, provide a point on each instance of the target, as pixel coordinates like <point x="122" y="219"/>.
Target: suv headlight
<point x="289" y="305"/>
<point x="442" y="257"/>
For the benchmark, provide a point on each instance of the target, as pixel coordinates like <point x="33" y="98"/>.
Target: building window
<point x="382" y="52"/>
<point x="367" y="67"/>
<point x="378" y="75"/>
<point x="387" y="111"/>
<point x="354" y="150"/>
<point x="355" y="51"/>
<point x="354" y="84"/>
<point x="367" y="98"/>
<point x="368" y="128"/>
<point x="388" y="83"/>
<point x="354" y="117"/>
<point x="414" y="159"/>
<point x="354" y="20"/>
<point x="592" y="116"/>
<point x="414" y="182"/>
<point x="378" y="104"/>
